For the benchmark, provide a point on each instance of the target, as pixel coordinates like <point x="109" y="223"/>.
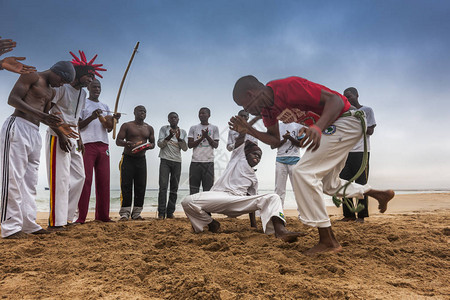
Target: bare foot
<point x="323" y="248"/>
<point x="383" y="198"/>
<point x="289" y="236"/>
<point x="18" y="235"/>
<point x="214" y="226"/>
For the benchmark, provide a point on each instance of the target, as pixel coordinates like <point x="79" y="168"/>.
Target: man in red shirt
<point x="321" y="109"/>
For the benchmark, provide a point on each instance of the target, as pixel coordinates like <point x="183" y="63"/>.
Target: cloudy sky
<point x="396" y="53"/>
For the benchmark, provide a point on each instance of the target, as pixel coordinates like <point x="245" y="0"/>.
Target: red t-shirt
<point x="296" y="100"/>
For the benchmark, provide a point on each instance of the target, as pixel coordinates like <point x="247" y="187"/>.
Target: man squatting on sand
<point x="65" y="166"/>
<point x="295" y="99"/>
<point x="235" y="194"/>
<point x="133" y="165"/>
<point x="21" y="146"/>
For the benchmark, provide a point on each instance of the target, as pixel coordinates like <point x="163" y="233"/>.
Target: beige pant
<point x="318" y="172"/>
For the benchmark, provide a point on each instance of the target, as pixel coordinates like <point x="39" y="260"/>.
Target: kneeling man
<point x="235" y="194"/>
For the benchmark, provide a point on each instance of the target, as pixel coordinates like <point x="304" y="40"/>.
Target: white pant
<point x="319" y="171"/>
<point x="66" y="175"/>
<point x="282" y="171"/>
<point x="195" y="207"/>
<point x="20" y="144"/>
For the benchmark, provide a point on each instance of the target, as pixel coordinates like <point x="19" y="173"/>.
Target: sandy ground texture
<point x="402" y="254"/>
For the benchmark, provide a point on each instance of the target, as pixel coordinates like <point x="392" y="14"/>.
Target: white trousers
<point x="66" y="175"/>
<point x="282" y="171"/>
<point x="20" y="144"/>
<point x="318" y="172"/>
<point x="195" y="207"/>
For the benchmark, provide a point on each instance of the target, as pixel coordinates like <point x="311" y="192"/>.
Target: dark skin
<point x="95" y="89"/>
<point x="203" y="115"/>
<point x="31" y="97"/>
<point x="287" y="137"/>
<point x="253" y="159"/>
<point x="174" y="129"/>
<point x="64" y="142"/>
<point x="137" y="132"/>
<point x="11" y="63"/>
<point x="257" y="98"/>
<point x="353" y="99"/>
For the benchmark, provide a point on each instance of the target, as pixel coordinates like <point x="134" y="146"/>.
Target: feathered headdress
<point x="82" y="67"/>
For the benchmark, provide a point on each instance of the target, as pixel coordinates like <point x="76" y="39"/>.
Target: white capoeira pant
<point x="282" y="171"/>
<point x="66" y="175"/>
<point x="319" y="171"/>
<point x="197" y="205"/>
<point x="20" y="144"/>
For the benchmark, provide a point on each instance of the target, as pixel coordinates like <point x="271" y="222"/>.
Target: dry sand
<point x="402" y="254"/>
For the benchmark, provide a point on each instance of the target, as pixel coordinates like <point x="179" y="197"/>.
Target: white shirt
<point x="287" y="149"/>
<point x="203" y="152"/>
<point x="370" y="121"/>
<point x="171" y="150"/>
<point x="232" y="135"/>
<point x="238" y="178"/>
<point x="68" y="102"/>
<point x="94" y="131"/>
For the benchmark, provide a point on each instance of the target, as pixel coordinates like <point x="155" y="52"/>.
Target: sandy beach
<point x="402" y="254"/>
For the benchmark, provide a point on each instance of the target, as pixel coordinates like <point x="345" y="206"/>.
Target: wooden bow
<point x="120" y="89"/>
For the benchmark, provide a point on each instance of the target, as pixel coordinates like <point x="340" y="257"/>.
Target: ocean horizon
<point x="151" y="198"/>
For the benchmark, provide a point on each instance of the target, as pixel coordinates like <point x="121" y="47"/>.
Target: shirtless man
<point x="295" y="99"/>
<point x="236" y="193"/>
<point x="11" y="63"/>
<point x="133" y="165"/>
<point x="21" y="146"/>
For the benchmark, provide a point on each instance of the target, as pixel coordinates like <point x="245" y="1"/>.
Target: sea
<point x="151" y="199"/>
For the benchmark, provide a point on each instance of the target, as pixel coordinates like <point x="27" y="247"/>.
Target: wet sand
<point x="402" y="254"/>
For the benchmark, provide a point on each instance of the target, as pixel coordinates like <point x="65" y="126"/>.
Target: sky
<point x="396" y="53"/>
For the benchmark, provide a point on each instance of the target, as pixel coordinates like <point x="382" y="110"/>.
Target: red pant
<point x="96" y="156"/>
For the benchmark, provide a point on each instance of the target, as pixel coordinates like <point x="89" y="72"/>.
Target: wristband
<point x="315" y="127"/>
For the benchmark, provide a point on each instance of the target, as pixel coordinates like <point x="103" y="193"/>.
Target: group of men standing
<point x="77" y="144"/>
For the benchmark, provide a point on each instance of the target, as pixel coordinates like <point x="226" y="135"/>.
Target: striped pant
<point x="20" y="144"/>
<point x="65" y="172"/>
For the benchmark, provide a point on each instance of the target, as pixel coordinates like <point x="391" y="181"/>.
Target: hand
<point x="11" y="64"/>
<point x="117" y="116"/>
<point x="287" y="135"/>
<point x="205" y="133"/>
<point x="177" y="133"/>
<point x="96" y="113"/>
<point x="80" y="145"/>
<point x="51" y="120"/>
<point x="131" y="144"/>
<point x="6" y="45"/>
<point x="312" y="137"/>
<point x="238" y="124"/>
<point x="64" y="143"/>
<point x="66" y="129"/>
<point x="171" y="134"/>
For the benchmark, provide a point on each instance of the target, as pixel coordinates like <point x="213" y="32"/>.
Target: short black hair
<point x="244" y="84"/>
<point x="207" y="109"/>
<point x="352" y="90"/>
<point x="139" y="106"/>
<point x="172" y="113"/>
